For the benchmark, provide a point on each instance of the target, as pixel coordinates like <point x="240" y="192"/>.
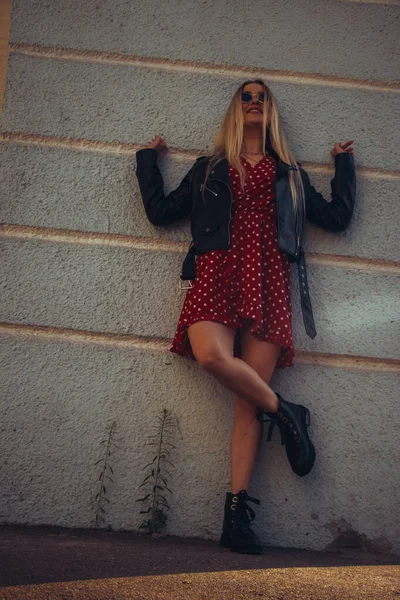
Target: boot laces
<point x="288" y="428"/>
<point x="242" y="512"/>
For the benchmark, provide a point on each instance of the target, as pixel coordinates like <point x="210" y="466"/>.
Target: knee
<point x="212" y="360"/>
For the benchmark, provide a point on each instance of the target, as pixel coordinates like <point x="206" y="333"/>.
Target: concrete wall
<point x="89" y="289"/>
<point x="5" y="17"/>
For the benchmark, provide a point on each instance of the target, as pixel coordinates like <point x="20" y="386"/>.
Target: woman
<point x="248" y="202"/>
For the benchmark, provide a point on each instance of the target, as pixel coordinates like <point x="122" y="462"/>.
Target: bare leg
<point x="262" y="357"/>
<point x="212" y="345"/>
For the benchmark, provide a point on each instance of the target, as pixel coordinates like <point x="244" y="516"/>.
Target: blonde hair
<point x="229" y="140"/>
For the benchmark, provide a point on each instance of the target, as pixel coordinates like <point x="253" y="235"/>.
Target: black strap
<point x="306" y="307"/>
<point x="189" y="264"/>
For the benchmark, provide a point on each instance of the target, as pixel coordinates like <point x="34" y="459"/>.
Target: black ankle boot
<point x="237" y="533"/>
<point x="292" y="421"/>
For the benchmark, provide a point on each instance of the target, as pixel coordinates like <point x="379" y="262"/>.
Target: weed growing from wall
<point x="156" y="474"/>
<point x="108" y="444"/>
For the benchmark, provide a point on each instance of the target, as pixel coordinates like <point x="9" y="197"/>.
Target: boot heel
<point x="225" y="540"/>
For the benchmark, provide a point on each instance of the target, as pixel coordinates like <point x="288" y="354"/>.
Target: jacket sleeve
<point x="161" y="209"/>
<point x="335" y="215"/>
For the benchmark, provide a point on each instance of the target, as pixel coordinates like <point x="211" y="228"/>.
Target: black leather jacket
<point x="210" y="218"/>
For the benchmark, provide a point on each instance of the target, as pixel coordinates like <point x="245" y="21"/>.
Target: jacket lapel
<point x="221" y="170"/>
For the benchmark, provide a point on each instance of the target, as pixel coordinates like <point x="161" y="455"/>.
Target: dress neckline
<point x="256" y="165"/>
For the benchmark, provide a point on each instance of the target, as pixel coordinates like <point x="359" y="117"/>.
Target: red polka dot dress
<point x="251" y="278"/>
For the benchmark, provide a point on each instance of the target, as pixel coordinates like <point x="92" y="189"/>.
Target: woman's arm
<point x="335" y="215"/>
<point x="161" y="209"/>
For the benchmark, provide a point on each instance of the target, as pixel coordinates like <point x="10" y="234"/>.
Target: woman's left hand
<point x="346" y="147"/>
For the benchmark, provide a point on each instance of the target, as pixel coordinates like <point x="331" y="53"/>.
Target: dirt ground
<point x="45" y="563"/>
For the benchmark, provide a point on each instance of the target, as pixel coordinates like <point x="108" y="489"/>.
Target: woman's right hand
<point x="338" y="148"/>
<point x="158" y="144"/>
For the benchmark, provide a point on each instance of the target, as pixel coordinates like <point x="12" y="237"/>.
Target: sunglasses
<point x="248" y="97"/>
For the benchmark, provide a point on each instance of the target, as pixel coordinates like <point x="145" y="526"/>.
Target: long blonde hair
<point x="229" y="140"/>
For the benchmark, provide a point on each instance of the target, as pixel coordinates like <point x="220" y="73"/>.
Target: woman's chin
<point x="253" y="120"/>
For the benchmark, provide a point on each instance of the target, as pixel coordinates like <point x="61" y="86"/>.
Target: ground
<point x="46" y="563"/>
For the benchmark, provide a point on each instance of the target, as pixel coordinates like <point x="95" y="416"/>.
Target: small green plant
<point x="156" y="476"/>
<point x="108" y="444"/>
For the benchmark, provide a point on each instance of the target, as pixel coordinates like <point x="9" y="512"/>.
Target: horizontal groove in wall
<point x="85" y="145"/>
<point x="364" y="363"/>
<point x="390" y="2"/>
<point x="83" y="238"/>
<point x="48" y="234"/>
<point x="204" y="68"/>
<point x="363" y="265"/>
<point x="69" y="143"/>
<point x="124" y="149"/>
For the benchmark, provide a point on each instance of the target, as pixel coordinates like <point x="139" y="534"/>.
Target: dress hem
<point x="285" y="358"/>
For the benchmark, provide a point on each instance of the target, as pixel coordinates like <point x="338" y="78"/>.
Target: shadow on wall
<point x="348" y="538"/>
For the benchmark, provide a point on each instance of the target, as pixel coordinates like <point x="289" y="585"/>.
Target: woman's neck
<point x="252" y="140"/>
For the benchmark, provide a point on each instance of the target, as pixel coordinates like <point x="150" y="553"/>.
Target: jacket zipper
<point x="277" y="221"/>
<point x="277" y="208"/>
<point x="297" y="233"/>
<point x="297" y="251"/>
<point x="230" y="209"/>
<point x="206" y="188"/>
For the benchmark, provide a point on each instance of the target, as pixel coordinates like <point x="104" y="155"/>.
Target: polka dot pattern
<point x="251" y="278"/>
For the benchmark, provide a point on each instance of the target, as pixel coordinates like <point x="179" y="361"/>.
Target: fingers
<point x="162" y="147"/>
<point x="157" y="143"/>
<point x="345" y="147"/>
